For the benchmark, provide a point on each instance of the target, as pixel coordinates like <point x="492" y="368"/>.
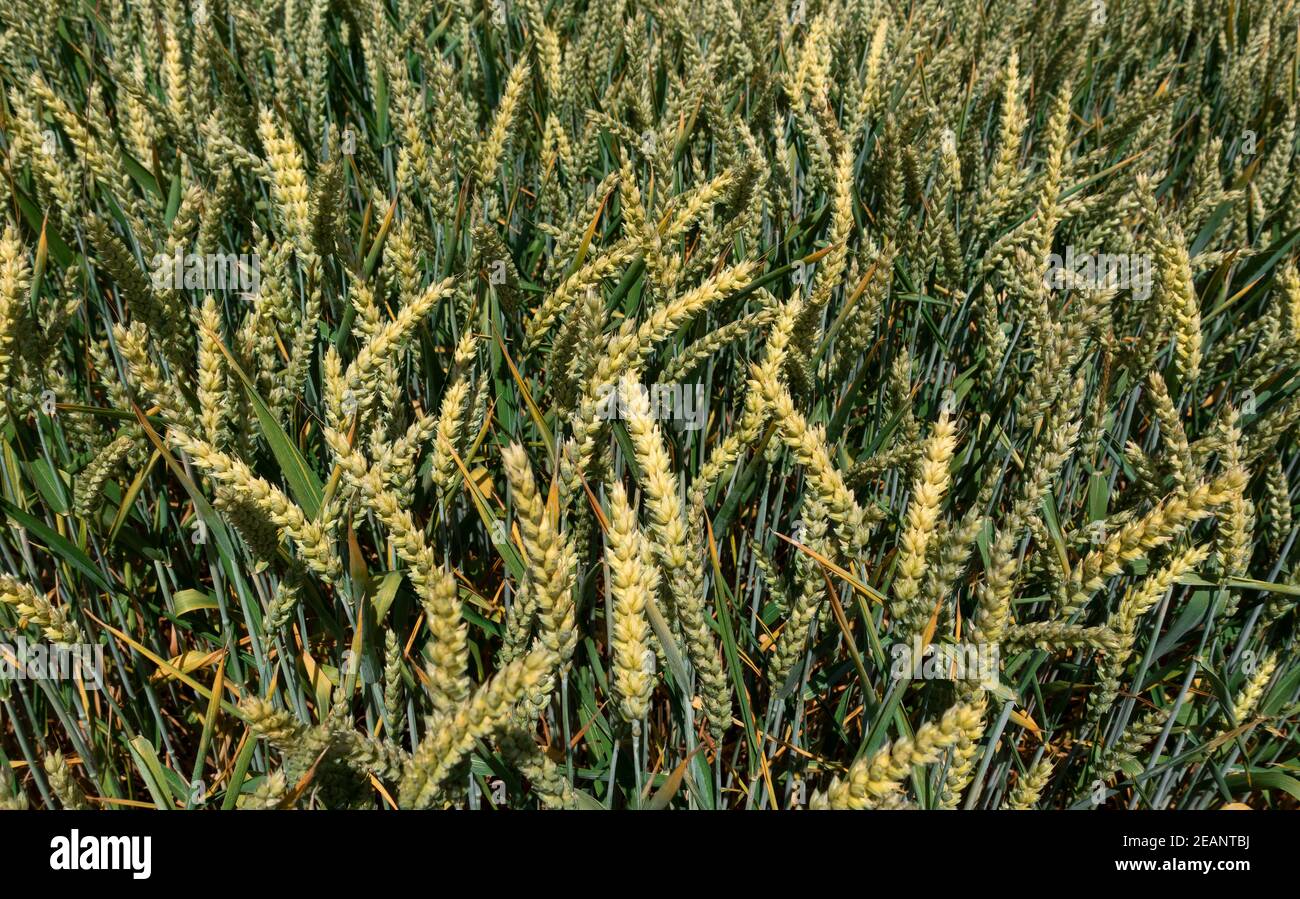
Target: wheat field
<point x="717" y="404"/>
